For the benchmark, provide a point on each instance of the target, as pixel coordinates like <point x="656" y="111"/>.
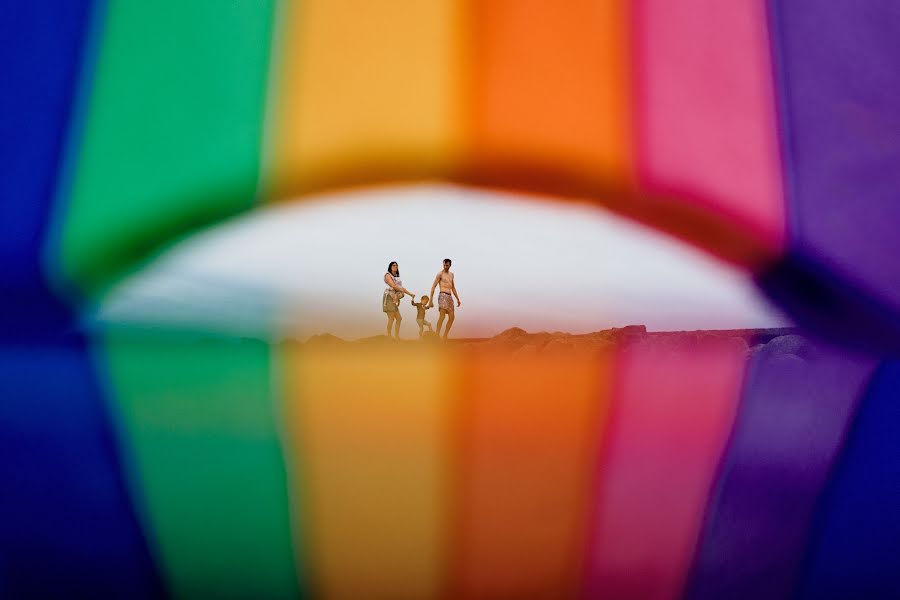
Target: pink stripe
<point x="705" y="116"/>
<point x="672" y="413"/>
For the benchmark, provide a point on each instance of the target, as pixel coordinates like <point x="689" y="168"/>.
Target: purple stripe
<point x="797" y="402"/>
<point x="838" y="80"/>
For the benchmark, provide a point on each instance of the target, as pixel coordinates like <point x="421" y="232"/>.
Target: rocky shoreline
<point x="519" y="341"/>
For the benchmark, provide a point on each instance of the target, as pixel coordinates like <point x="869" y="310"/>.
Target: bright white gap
<point x="315" y="266"/>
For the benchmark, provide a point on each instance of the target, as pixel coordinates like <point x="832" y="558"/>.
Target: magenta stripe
<point x="705" y="117"/>
<point x="672" y="414"/>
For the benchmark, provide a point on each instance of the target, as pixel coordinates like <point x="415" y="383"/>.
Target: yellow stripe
<point x="370" y="431"/>
<point x="365" y="90"/>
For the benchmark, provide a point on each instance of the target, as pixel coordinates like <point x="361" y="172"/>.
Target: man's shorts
<point x="445" y="302"/>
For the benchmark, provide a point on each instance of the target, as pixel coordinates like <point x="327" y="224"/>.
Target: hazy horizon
<point x="316" y="266"/>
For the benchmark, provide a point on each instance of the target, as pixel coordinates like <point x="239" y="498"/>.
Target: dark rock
<point x="326" y="339"/>
<point x="629" y="330"/>
<point x="511" y="334"/>
<point x="787" y="344"/>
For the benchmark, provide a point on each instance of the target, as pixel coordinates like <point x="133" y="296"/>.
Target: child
<point x="422" y="306"/>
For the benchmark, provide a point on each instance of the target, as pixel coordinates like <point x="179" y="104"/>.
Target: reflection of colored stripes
<point x="528" y="435"/>
<point x="199" y="419"/>
<point x="436" y="471"/>
<point x="370" y="441"/>
<point x="670" y="419"/>
<point x="856" y="531"/>
<point x="795" y="409"/>
<point x="479" y="473"/>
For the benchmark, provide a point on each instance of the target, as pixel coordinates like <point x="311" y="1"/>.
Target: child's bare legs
<point x="422" y="325"/>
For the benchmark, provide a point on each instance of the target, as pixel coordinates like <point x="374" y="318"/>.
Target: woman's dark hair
<point x="394" y="262"/>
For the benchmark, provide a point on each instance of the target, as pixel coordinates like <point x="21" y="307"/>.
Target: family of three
<point x="394" y="293"/>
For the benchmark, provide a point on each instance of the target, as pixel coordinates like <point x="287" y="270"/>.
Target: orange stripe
<point x="549" y="93"/>
<point x="528" y="436"/>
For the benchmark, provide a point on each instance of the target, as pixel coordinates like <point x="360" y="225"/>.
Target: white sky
<point x="316" y="266"/>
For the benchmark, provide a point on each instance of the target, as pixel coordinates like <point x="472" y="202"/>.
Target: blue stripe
<point x="855" y="550"/>
<point x="67" y="525"/>
<point x="797" y="402"/>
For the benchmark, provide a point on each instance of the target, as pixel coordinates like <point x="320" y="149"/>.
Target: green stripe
<point x="200" y="428"/>
<point x="173" y="129"/>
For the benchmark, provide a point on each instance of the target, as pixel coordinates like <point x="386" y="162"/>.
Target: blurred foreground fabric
<point x="146" y="464"/>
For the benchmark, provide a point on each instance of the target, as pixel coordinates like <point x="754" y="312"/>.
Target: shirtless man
<point x="444" y="278"/>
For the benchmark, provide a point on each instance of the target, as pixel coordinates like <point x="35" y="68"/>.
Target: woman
<point x="390" y="300"/>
